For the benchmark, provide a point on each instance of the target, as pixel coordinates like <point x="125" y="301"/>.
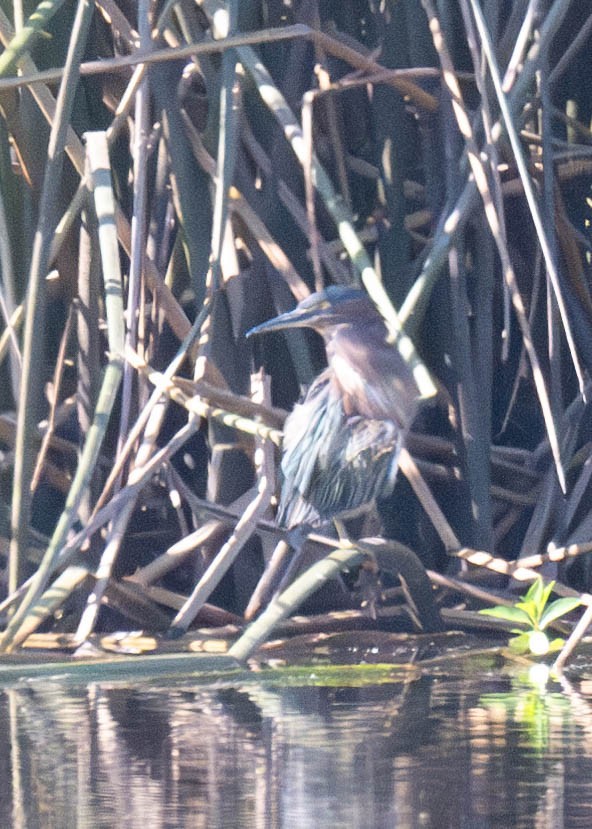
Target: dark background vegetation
<point x="206" y="173"/>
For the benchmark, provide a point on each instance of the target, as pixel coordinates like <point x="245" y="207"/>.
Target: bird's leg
<point x="368" y="586"/>
<point x="266" y="584"/>
<point x="279" y="570"/>
<point x="342" y="533"/>
<point x="297" y="538"/>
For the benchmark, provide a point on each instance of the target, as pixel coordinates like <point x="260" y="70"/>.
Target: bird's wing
<point x="363" y="466"/>
<point x="339" y="469"/>
<point x="307" y="435"/>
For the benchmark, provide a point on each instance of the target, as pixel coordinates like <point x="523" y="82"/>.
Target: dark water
<point x="474" y="751"/>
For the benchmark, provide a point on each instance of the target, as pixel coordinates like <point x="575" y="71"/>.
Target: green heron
<point x="342" y="442"/>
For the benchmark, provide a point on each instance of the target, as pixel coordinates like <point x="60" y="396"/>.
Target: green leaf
<point x="531" y="609"/>
<point x="556" y="644"/>
<point x="535" y="592"/>
<point x="546" y="593"/>
<point x="520" y="644"/>
<point x="509" y="614"/>
<point x="557" y="609"/>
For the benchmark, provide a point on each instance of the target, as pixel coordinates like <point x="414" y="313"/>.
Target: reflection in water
<point x="429" y="752"/>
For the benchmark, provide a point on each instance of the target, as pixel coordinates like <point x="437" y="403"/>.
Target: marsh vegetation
<point x="174" y="173"/>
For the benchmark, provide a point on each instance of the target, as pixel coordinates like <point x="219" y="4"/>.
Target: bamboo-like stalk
<point x="496" y="222"/>
<point x="575" y="638"/>
<point x="117" y="530"/>
<point x="8" y="299"/>
<point x="124" y="62"/>
<point x="138" y="228"/>
<point x="187" y="545"/>
<point x="412" y="310"/>
<point x="73" y="574"/>
<point x="528" y="190"/>
<point x="23" y="41"/>
<point x="243" y="530"/>
<point x="341" y="216"/>
<point x="225" y="25"/>
<point x="44" y="98"/>
<point x="234" y="190"/>
<point x="202" y="408"/>
<point x="99" y="172"/>
<point x="160" y="386"/>
<point x="33" y="346"/>
<point x="241" y="207"/>
<point x="122" y="667"/>
<point x="51" y="420"/>
<point x="287" y="602"/>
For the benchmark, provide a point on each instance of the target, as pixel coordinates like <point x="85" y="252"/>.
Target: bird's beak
<point x="297" y="318"/>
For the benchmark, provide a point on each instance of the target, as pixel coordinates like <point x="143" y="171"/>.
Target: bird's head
<point x="334" y="306"/>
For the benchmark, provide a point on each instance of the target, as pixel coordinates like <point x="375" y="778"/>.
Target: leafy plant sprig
<point x="533" y="613"/>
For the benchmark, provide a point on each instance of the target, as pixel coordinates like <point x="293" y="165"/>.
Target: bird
<point x="342" y="442"/>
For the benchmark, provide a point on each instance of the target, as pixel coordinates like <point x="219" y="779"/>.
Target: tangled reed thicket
<point x="173" y="173"/>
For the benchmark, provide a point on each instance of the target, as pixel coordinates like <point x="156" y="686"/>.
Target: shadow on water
<point x="480" y="751"/>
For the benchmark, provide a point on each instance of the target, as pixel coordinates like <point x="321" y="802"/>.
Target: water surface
<point x="479" y="750"/>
